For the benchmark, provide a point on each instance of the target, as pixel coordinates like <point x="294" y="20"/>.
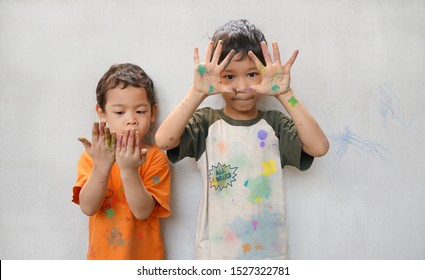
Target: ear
<point x="154" y="111"/>
<point x="100" y="113"/>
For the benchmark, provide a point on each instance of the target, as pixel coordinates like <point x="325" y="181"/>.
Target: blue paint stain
<point x="262" y="135"/>
<point x="155" y="179"/>
<point x="261" y="233"/>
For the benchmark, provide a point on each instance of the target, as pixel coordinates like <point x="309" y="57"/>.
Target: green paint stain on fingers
<point x="292" y="101"/>
<point x="202" y="69"/>
<point x="109" y="143"/>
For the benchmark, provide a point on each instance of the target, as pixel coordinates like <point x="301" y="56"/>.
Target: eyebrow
<point x="137" y="105"/>
<point x="248" y="70"/>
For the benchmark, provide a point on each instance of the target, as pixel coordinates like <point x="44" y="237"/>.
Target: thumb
<point x="86" y="143"/>
<point x="143" y="153"/>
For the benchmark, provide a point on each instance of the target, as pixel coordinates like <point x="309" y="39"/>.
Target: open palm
<point x="207" y="74"/>
<point x="276" y="78"/>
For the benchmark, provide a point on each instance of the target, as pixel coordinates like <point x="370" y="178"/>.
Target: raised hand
<point x="207" y="74"/>
<point x="102" y="147"/>
<point x="129" y="152"/>
<point x="276" y="78"/>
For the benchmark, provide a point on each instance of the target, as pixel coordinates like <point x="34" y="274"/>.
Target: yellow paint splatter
<point x="269" y="167"/>
<point x="258" y="199"/>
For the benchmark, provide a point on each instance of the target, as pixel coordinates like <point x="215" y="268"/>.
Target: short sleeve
<point x="156" y="177"/>
<point x="290" y="145"/>
<point x="192" y="141"/>
<point x="85" y="165"/>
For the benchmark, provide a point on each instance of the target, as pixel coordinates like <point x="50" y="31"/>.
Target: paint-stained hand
<point x="130" y="155"/>
<point x="276" y="78"/>
<point x="207" y="74"/>
<point x="102" y="147"/>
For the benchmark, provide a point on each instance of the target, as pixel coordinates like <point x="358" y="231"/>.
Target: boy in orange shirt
<point x="123" y="182"/>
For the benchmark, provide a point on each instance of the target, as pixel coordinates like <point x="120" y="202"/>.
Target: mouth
<point x="242" y="98"/>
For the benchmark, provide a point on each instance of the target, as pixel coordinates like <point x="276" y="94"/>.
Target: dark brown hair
<point x="241" y="36"/>
<point x="125" y="74"/>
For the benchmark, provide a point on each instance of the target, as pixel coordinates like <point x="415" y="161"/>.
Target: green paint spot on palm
<point x="202" y="69"/>
<point x="275" y="88"/>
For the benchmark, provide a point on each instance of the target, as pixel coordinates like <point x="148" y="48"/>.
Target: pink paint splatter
<point x="230" y="236"/>
<point x="254" y="224"/>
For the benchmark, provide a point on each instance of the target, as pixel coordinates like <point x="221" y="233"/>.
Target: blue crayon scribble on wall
<point x="389" y="107"/>
<point x="349" y="140"/>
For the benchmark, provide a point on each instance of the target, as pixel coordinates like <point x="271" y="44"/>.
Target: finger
<point x="201" y="69"/>
<point x="86" y="143"/>
<point x="95" y="132"/>
<point x="209" y="52"/>
<point x="113" y="140"/>
<point x="130" y="143"/>
<point x="102" y="129"/>
<point x="119" y="143"/>
<point x="251" y="89"/>
<point x="125" y="140"/>
<point x="276" y="54"/>
<point x="266" y="53"/>
<point x="138" y="140"/>
<point x="217" y="53"/>
<point x="143" y="153"/>
<point x="226" y="61"/>
<point x="260" y="66"/>
<point x="227" y="89"/>
<point x="292" y="58"/>
<point x="196" y="56"/>
<point x="108" y="140"/>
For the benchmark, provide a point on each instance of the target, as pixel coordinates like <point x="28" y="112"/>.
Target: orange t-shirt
<point x="114" y="232"/>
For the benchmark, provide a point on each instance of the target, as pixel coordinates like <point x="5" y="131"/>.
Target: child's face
<point x="126" y="109"/>
<point x="240" y="74"/>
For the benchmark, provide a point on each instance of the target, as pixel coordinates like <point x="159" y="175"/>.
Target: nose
<point x="132" y="120"/>
<point x="239" y="85"/>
